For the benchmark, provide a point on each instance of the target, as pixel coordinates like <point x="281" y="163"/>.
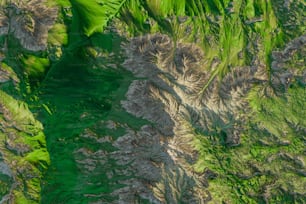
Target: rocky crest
<point x="28" y="21"/>
<point x="169" y="93"/>
<point x="175" y="91"/>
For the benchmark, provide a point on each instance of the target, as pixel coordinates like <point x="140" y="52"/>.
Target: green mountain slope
<point x="152" y="101"/>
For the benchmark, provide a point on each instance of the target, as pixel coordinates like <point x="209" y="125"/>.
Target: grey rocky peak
<point x="169" y="93"/>
<point x="176" y="92"/>
<point x="285" y="63"/>
<point x="29" y="21"/>
<point x="176" y="86"/>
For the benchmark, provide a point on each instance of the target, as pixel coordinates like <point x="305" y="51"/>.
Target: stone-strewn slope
<point x="29" y="21"/>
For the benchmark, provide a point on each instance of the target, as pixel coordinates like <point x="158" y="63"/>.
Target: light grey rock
<point x="5" y="169"/>
<point x="28" y="21"/>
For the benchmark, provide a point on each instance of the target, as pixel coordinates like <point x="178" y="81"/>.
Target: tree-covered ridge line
<point x="225" y="83"/>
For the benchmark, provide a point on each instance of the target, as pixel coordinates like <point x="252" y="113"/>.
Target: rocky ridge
<point x="29" y="21"/>
<point x="169" y="93"/>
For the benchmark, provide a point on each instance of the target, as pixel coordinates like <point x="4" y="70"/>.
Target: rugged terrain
<point x="141" y="101"/>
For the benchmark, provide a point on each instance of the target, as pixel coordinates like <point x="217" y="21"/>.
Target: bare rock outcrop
<point x="289" y="65"/>
<point x="29" y="21"/>
<point x="175" y="92"/>
<point x="175" y="78"/>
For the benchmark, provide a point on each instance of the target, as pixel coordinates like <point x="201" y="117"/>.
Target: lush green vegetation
<point x="77" y="83"/>
<point x="226" y="30"/>
<point x="94" y="15"/>
<point x="23" y="144"/>
<point x="272" y="142"/>
<point x="58" y="35"/>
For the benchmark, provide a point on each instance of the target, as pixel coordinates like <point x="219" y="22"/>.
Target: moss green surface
<point x="78" y="82"/>
<point x="24" y="148"/>
<point x="96" y="14"/>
